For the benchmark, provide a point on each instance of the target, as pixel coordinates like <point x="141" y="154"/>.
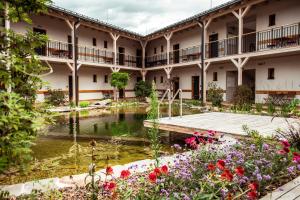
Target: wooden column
<point x="115" y="37"/>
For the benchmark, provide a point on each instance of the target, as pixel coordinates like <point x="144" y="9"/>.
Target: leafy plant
<point x="153" y="132"/>
<point x="259" y="107"/>
<point x="84" y="104"/>
<point x="119" y="80"/>
<point x="215" y="94"/>
<point x="271" y="108"/>
<point x="292" y="134"/>
<point x="142" y="89"/>
<point x="55" y="97"/>
<point x="243" y="98"/>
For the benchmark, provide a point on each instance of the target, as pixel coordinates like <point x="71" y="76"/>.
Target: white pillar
<point x="206" y="65"/>
<point x="115" y="37"/>
<point x="206" y="24"/>
<point x="168" y="38"/>
<point x="240" y="63"/>
<point x="143" y="72"/>
<point x="240" y="76"/>
<point x="7" y="27"/>
<point x="143" y="44"/>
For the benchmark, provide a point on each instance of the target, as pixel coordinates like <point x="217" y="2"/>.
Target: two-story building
<point x="251" y="42"/>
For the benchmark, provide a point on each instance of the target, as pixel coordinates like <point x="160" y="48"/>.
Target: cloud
<point x="142" y="16"/>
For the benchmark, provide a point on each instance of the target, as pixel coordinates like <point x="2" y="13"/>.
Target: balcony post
<point x="206" y="23"/>
<point x="115" y="37"/>
<point x="240" y="63"/>
<point x="168" y="38"/>
<point x="205" y="68"/>
<point x="144" y="72"/>
<point x="143" y="44"/>
<point x="74" y="26"/>
<point x="240" y="16"/>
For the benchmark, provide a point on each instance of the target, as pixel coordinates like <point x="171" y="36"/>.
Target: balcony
<point x="56" y="49"/>
<point x="129" y="60"/>
<point x="157" y="60"/>
<point x="185" y="55"/>
<point x="275" y="38"/>
<point x="95" y="55"/>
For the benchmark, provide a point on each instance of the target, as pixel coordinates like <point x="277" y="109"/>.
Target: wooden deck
<point x="226" y="123"/>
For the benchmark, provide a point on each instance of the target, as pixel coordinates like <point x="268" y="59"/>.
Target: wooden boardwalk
<point x="227" y="123"/>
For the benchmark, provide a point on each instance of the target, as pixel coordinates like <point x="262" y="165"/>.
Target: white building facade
<point x="250" y="42"/>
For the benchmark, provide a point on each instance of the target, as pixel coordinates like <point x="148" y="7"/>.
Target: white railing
<point x="170" y="102"/>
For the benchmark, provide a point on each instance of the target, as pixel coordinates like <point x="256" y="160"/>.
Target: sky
<point x="141" y="16"/>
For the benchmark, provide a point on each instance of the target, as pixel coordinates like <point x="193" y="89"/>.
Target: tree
<point x="20" y="118"/>
<point x="119" y="80"/>
<point x="142" y="89"/>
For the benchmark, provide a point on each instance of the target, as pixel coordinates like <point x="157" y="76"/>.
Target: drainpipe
<point x="75" y="59"/>
<point x="202" y="59"/>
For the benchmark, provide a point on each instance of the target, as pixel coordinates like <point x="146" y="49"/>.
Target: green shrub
<point x="142" y="89"/>
<point x="271" y="108"/>
<point x="259" y="107"/>
<point x="55" y="97"/>
<point x="215" y="94"/>
<point x="243" y="98"/>
<point x="84" y="104"/>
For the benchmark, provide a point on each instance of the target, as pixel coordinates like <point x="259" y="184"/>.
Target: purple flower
<point x="298" y="167"/>
<point x="291" y="169"/>
<point x="266" y="146"/>
<point x="259" y="177"/>
<point x="267" y="177"/>
<point x="177" y="146"/>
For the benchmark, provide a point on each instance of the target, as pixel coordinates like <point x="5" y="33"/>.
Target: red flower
<point x="252" y="195"/>
<point x="227" y="175"/>
<point x="157" y="171"/>
<point x="296" y="157"/>
<point x="240" y="171"/>
<point x="201" y="140"/>
<point x="210" y="140"/>
<point x="152" y="177"/>
<point x="253" y="186"/>
<point x="109" y="170"/>
<point x="285" y="143"/>
<point x="191" y="141"/>
<point x="211" y="167"/>
<point x="125" y="174"/>
<point x="211" y="133"/>
<point x="109" y="186"/>
<point x="221" y="164"/>
<point x="196" y="133"/>
<point x="164" y="169"/>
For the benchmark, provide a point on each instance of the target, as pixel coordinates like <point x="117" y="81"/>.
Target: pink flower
<point x="285" y="143"/>
<point x="296" y="157"/>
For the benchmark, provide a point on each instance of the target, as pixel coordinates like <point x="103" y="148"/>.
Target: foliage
<point x="153" y="132"/>
<point x="215" y="94"/>
<point x="271" y="108"/>
<point x="142" y="89"/>
<point x="119" y="79"/>
<point x="292" y="134"/>
<point x="20" y="118"/>
<point x="259" y="107"/>
<point x="193" y="102"/>
<point x="243" y="98"/>
<point x="84" y="104"/>
<point x="55" y="97"/>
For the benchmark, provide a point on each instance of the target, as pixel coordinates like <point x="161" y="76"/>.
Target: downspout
<point x="75" y="59"/>
<point x="202" y="60"/>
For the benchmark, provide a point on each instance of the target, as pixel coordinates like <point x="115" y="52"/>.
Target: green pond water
<point x="64" y="149"/>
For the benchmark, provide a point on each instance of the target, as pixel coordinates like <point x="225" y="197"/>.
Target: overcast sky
<point x="141" y="16"/>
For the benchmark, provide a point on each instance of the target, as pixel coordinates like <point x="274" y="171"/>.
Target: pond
<point x="121" y="138"/>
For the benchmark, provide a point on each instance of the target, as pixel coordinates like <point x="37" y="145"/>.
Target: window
<point x="161" y="79"/>
<point x="154" y="50"/>
<point x="105" y="78"/>
<point x="95" y="78"/>
<point x="271" y="74"/>
<point x="154" y="79"/>
<point x="272" y="20"/>
<point x="215" y="76"/>
<point x="105" y="44"/>
<point x="94" y="42"/>
<point x="162" y="48"/>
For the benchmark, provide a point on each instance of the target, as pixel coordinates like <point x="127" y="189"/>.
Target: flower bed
<point x="247" y="170"/>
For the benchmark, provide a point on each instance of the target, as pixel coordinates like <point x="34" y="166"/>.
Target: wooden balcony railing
<point x="95" y="55"/>
<point x="129" y="60"/>
<point x="55" y="49"/>
<point x="185" y="55"/>
<point x="157" y="60"/>
<point x="221" y="48"/>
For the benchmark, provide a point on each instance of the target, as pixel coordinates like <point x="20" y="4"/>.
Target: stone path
<point x="290" y="191"/>
<point x="229" y="123"/>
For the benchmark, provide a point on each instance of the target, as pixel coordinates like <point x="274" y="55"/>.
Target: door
<point x="195" y="87"/>
<point x="176" y="53"/>
<point x="41" y="50"/>
<point x="231" y="84"/>
<point x="121" y="55"/>
<point x="175" y="83"/>
<point x="70" y="88"/>
<point x="213" y="46"/>
<point x="249" y="80"/>
<point x="70" y="47"/>
<point x="121" y="93"/>
<point x="139" y="59"/>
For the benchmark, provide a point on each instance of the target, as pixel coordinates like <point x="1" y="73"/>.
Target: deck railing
<point x="185" y="55"/>
<point x="55" y="49"/>
<point x="221" y="48"/>
<point x="95" y="55"/>
<point x="129" y="60"/>
<point x="156" y="60"/>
